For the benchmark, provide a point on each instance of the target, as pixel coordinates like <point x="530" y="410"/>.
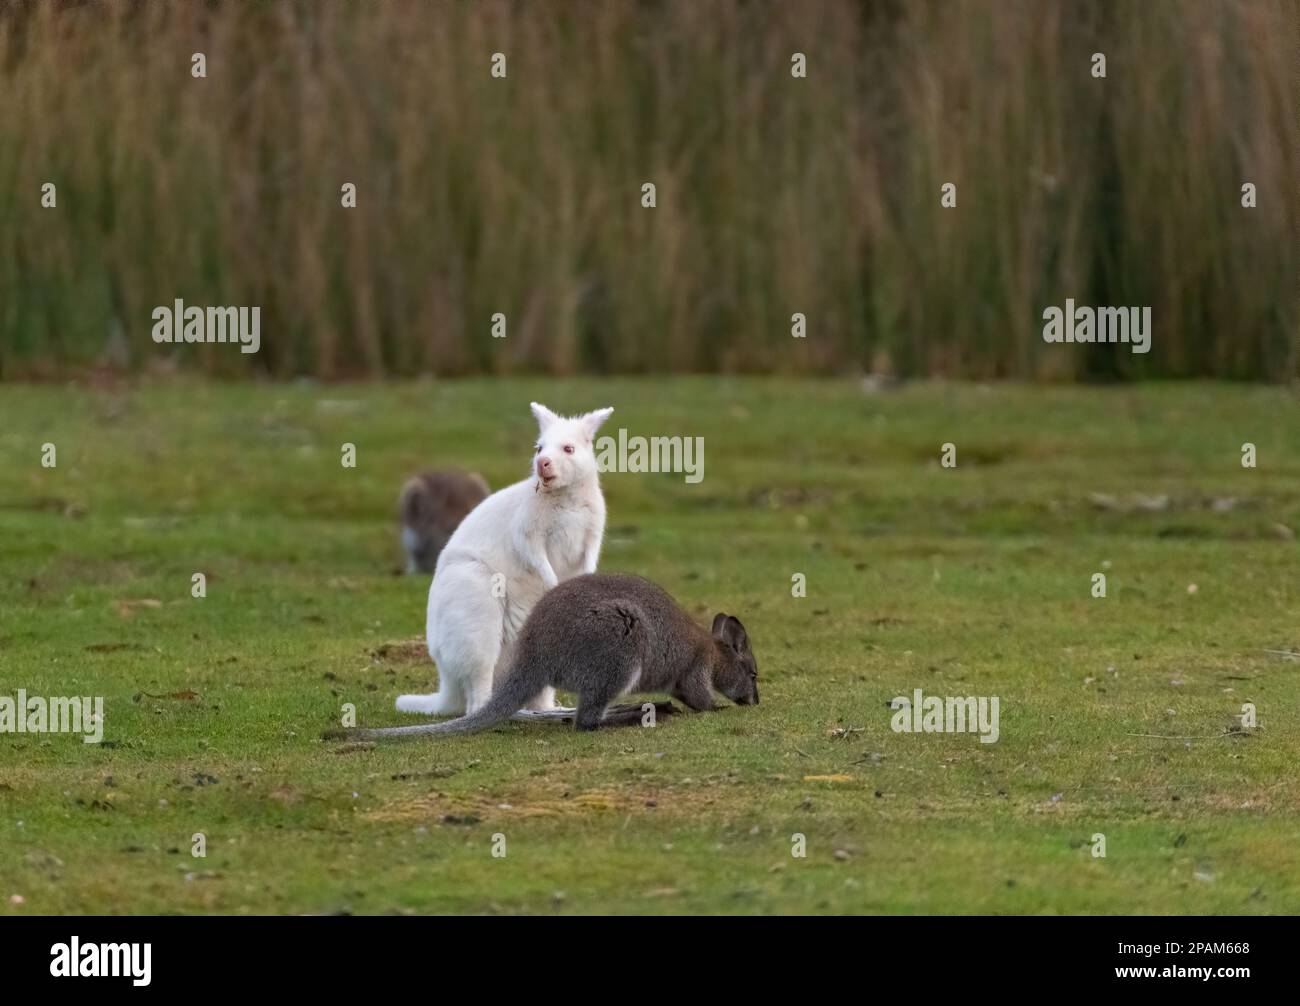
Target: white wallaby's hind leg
<point x="545" y="699"/>
<point x="477" y="693"/>
<point x="464" y="630"/>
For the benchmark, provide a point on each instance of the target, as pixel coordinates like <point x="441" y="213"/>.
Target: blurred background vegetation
<point x="775" y="195"/>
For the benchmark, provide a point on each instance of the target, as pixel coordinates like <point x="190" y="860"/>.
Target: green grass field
<point x="1119" y="716"/>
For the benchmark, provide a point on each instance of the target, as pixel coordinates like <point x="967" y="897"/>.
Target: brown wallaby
<point x="430" y="508"/>
<point x="602" y="635"/>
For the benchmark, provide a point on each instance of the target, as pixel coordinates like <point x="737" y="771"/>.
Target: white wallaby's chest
<point x="566" y="540"/>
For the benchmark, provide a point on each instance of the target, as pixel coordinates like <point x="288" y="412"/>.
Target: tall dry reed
<point x="775" y="195"/>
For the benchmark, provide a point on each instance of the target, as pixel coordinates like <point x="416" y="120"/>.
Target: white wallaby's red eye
<point x="537" y="449"/>
<point x="568" y="448"/>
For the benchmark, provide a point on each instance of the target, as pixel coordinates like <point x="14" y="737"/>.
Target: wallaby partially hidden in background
<point x="430" y="507"/>
<point x="602" y="636"/>
<point x="513" y="547"/>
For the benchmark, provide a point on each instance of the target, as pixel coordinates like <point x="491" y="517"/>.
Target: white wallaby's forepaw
<point x="427" y="704"/>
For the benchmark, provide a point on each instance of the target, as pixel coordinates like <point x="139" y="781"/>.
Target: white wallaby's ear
<point x="545" y="417"/>
<point x="592" y="420"/>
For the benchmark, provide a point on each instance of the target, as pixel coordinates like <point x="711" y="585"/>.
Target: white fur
<point x="410" y="542"/>
<point x="534" y="534"/>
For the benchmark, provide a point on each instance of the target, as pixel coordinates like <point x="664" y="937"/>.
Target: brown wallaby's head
<point x="736" y="674"/>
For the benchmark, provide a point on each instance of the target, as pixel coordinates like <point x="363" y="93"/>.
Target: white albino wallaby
<point x="512" y="548"/>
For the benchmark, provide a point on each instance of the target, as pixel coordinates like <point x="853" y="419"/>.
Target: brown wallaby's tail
<point x="508" y="698"/>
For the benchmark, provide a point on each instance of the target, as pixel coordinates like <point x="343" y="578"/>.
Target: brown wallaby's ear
<point x="733" y="633"/>
<point x="719" y="620"/>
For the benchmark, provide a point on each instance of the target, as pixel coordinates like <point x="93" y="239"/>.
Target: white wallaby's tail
<point x="448" y="700"/>
<point x="428" y="704"/>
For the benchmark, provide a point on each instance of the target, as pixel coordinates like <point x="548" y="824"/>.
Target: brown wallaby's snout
<point x="736" y="673"/>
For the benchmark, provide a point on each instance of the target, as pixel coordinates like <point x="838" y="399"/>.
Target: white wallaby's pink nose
<point x="545" y="469"/>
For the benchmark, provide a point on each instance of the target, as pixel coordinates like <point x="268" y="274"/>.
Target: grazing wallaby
<point x="512" y="548"/>
<point x="602" y="636"/>
<point x="430" y="508"/>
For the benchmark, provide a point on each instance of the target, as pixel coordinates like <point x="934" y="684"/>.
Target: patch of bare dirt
<point x="402" y="651"/>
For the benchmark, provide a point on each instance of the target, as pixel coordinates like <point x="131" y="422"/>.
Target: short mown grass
<point x="1119" y="716"/>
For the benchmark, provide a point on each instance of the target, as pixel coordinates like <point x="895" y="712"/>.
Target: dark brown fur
<point x="430" y="508"/>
